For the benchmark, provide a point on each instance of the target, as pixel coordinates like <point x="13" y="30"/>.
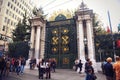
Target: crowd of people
<point x="111" y="70"/>
<point x="8" y="64"/>
<point x="46" y="67"/>
<point x="17" y="65"/>
<point x="89" y="70"/>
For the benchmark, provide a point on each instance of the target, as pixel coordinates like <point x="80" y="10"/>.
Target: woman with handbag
<point x="90" y="72"/>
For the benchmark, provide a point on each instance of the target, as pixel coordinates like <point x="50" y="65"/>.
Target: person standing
<point x="109" y="69"/>
<point x="76" y="64"/>
<point x="18" y="64"/>
<point x="23" y="63"/>
<point x="53" y="65"/>
<point x="48" y="72"/>
<point x="87" y="65"/>
<point x="90" y="75"/>
<point x="116" y="67"/>
<point x="41" y="68"/>
<point x="102" y="66"/>
<point x="80" y="66"/>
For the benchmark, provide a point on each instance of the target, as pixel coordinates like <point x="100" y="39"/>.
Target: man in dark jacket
<point x="109" y="69"/>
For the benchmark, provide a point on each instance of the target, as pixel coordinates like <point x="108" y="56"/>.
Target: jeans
<point x="18" y="70"/>
<point x="22" y="68"/>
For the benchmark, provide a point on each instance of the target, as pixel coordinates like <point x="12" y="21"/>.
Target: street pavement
<point x="60" y="74"/>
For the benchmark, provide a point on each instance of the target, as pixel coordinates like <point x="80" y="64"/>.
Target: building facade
<point x="11" y="12"/>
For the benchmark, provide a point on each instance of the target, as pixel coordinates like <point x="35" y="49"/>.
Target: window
<point x="10" y="13"/>
<point x="5" y="19"/>
<point x="1" y="2"/>
<point x="19" y="12"/>
<point x="14" y="9"/>
<point x="18" y="4"/>
<point x="14" y="24"/>
<point x="3" y="28"/>
<point x="22" y="8"/>
<point x="11" y="22"/>
<point x="11" y="6"/>
<point x="13" y="0"/>
<point x="13" y="15"/>
<point x="8" y="4"/>
<point x="8" y="21"/>
<point x="7" y="11"/>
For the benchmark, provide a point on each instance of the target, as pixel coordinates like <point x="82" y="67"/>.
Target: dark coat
<point x="109" y="69"/>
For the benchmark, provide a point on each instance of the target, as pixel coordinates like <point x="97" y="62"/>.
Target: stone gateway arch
<point x="64" y="39"/>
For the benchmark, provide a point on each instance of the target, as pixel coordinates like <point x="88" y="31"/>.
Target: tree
<point x="21" y="36"/>
<point x="97" y="26"/>
<point x="18" y="49"/>
<point x="22" y="30"/>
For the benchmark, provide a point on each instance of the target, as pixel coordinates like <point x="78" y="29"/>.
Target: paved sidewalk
<point x="60" y="74"/>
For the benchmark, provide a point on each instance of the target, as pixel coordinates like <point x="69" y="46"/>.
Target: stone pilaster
<point x="42" y="41"/>
<point x="80" y="41"/>
<point x="32" y="38"/>
<point x="91" y="48"/>
<point x="37" y="43"/>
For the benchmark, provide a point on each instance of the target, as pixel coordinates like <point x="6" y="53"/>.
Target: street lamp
<point x="29" y="43"/>
<point x="30" y="49"/>
<point x="99" y="50"/>
<point x="86" y="48"/>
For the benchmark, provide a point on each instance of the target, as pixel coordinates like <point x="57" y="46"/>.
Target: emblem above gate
<point x="60" y="17"/>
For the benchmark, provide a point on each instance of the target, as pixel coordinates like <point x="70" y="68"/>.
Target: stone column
<point x="81" y="42"/>
<point x="32" y="39"/>
<point x="42" y="42"/>
<point x="90" y="40"/>
<point x="37" y="42"/>
<point x="91" y="49"/>
<point x="81" y="48"/>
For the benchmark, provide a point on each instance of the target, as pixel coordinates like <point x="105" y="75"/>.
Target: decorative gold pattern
<point x="65" y="31"/>
<point x="67" y="13"/>
<point x="65" y="61"/>
<point x="55" y="31"/>
<point x="54" y="49"/>
<point x="65" y="39"/>
<point x="54" y="40"/>
<point x="65" y="49"/>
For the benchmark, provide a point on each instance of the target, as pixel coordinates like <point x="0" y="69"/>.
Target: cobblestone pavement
<point x="60" y="74"/>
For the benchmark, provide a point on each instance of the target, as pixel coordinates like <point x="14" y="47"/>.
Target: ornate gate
<point x="61" y="42"/>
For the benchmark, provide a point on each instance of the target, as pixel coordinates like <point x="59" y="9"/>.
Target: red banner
<point x="118" y="43"/>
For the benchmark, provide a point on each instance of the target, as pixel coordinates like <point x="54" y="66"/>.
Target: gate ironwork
<point x="61" y="42"/>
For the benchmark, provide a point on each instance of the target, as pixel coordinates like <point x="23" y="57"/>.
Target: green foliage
<point x="21" y="34"/>
<point x="18" y="49"/>
<point x="97" y="26"/>
<point x="105" y="43"/>
<point x="21" y="31"/>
